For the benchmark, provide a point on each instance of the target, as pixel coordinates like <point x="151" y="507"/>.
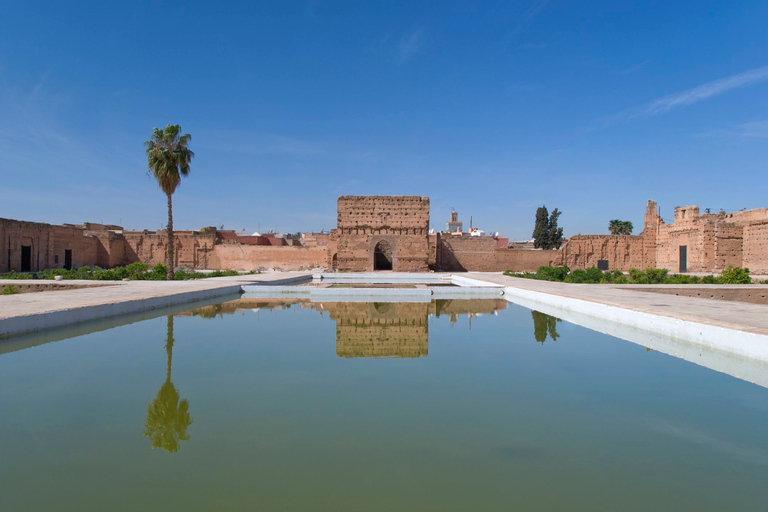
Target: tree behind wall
<point x="546" y="234"/>
<point x="620" y="227"/>
<point x="554" y="234"/>
<point x="541" y="229"/>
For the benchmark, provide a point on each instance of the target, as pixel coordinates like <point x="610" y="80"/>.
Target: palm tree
<point x="620" y="227"/>
<point x="168" y="160"/>
<point x="167" y="417"/>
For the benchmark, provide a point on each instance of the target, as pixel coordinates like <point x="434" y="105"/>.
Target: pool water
<point x="445" y="406"/>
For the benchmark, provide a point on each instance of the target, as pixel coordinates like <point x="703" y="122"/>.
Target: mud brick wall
<point x="621" y="251"/>
<point x="401" y="222"/>
<point x="191" y="248"/>
<point x="729" y="243"/>
<point x="479" y="254"/>
<point x="255" y="257"/>
<point x="47" y="243"/>
<point x="756" y="247"/>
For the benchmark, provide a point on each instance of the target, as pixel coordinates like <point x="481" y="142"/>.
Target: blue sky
<point x="492" y="108"/>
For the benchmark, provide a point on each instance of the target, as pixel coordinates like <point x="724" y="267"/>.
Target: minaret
<point x="651" y="223"/>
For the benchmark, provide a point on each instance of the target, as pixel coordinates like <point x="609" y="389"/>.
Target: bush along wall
<point x="731" y="275"/>
<point x="136" y="271"/>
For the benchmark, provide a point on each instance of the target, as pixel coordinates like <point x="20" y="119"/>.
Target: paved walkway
<point x="728" y="314"/>
<point x="75" y="305"/>
<point x="61" y="307"/>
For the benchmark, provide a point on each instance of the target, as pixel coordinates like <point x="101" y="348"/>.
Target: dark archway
<point x="382" y="256"/>
<point x="335" y="262"/>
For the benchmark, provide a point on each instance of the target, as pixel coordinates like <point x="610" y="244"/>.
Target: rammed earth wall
<point x="397" y="226"/>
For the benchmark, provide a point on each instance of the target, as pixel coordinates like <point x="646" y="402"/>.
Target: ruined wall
<point x="48" y="245"/>
<point x="755" y="249"/>
<point x="399" y="224"/>
<point x="729" y="245"/>
<point x="191" y="248"/>
<point x="314" y="239"/>
<point x="480" y="254"/>
<point x="255" y="257"/>
<point x="205" y="250"/>
<point x="109" y="249"/>
<point x="621" y="251"/>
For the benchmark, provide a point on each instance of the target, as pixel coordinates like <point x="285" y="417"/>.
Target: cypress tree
<point x="554" y="233"/>
<point x="541" y="229"/>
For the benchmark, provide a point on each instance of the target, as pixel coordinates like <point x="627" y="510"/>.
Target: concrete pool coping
<point x="733" y="327"/>
<point x="32" y="312"/>
<point x="420" y="290"/>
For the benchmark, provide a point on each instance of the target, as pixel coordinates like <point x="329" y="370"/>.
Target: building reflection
<point x="373" y="329"/>
<point x="544" y="325"/>
<point x="379" y="329"/>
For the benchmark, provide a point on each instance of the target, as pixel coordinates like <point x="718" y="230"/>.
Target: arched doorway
<point x="335" y="261"/>
<point x="382" y="256"/>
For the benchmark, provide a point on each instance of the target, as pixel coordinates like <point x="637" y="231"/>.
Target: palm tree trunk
<point x="169" y="261"/>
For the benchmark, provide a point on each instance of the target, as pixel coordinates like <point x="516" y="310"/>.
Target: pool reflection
<point x="167" y="415"/>
<point x="373" y="329"/>
<point x="544" y="325"/>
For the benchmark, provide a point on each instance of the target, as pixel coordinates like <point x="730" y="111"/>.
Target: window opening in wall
<point x="56" y="259"/>
<point x="602" y="264"/>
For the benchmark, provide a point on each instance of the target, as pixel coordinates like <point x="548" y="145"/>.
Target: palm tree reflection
<point x="544" y="324"/>
<point x="167" y="416"/>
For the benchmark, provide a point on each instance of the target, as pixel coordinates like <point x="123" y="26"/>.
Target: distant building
<point x="454" y="226"/>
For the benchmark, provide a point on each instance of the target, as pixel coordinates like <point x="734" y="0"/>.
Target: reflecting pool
<point x="455" y="405"/>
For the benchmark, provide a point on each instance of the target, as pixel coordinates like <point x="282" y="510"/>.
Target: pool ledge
<point x="732" y="327"/>
<point x="33" y="312"/>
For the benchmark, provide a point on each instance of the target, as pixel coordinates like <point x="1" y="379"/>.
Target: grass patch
<point x="10" y="290"/>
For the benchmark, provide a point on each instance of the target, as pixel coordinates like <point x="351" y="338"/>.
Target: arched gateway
<point x="365" y="222"/>
<point x="382" y="256"/>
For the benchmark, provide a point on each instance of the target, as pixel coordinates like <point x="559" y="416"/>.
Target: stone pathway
<point x="41" y="310"/>
<point x="740" y="316"/>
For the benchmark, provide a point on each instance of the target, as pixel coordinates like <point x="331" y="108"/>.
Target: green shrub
<point x="594" y="275"/>
<point x="183" y="275"/>
<point x="637" y="276"/>
<point x="683" y="279"/>
<point x="576" y="276"/>
<point x="709" y="280"/>
<point x="735" y="275"/>
<point x="648" y="276"/>
<point x="656" y="275"/>
<point x="10" y="290"/>
<point x="552" y="273"/>
<point x="614" y="276"/>
<point x="136" y="270"/>
<point x="158" y="273"/>
<point x="16" y="275"/>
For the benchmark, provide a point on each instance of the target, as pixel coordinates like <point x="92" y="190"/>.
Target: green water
<point x="449" y="406"/>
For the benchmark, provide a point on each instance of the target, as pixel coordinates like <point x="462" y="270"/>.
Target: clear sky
<point x="493" y="108"/>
